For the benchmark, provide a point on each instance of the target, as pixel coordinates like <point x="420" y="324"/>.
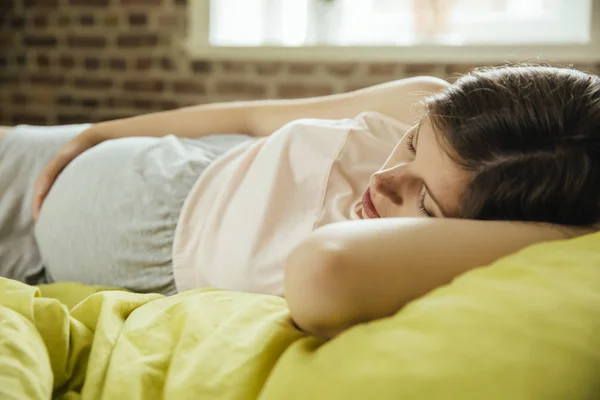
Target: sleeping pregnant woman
<point x="350" y="205"/>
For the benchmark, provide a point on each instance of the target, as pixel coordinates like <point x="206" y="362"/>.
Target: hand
<point x="63" y="157"/>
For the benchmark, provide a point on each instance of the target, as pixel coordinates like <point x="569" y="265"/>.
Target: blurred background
<point x="71" y="61"/>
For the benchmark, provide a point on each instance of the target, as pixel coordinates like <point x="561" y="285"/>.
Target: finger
<point x="37" y="204"/>
<point x="39" y="194"/>
<point x="44" y="183"/>
<point x="46" y="179"/>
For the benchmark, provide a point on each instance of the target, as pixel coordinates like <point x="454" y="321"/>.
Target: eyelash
<point x="421" y="204"/>
<point x="409" y="143"/>
<point x="422" y="210"/>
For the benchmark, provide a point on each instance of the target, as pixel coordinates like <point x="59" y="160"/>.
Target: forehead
<point x="443" y="176"/>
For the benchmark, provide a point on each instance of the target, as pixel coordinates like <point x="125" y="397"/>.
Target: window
<point x="388" y="28"/>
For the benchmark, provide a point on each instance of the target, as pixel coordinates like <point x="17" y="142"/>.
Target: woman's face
<point x="418" y="179"/>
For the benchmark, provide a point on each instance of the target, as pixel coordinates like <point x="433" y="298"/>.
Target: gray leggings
<point x="110" y="217"/>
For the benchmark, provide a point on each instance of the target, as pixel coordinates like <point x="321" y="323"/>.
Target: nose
<point x="393" y="183"/>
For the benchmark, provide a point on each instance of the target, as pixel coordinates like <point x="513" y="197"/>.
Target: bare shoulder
<point x="426" y="83"/>
<point x="400" y="99"/>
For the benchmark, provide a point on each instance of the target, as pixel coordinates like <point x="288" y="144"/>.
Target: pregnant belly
<point x="90" y="213"/>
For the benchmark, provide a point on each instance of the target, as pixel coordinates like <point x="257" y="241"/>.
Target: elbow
<point x="314" y="288"/>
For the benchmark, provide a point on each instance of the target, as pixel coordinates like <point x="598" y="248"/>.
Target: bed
<point x="525" y="327"/>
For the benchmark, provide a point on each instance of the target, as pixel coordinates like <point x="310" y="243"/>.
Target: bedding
<point x="526" y="327"/>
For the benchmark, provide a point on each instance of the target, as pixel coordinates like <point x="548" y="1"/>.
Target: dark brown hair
<point x="531" y="137"/>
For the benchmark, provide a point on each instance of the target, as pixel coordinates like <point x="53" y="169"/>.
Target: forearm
<point x="353" y="272"/>
<point x="191" y="122"/>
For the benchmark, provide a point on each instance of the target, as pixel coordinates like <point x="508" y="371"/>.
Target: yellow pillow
<point x="526" y="327"/>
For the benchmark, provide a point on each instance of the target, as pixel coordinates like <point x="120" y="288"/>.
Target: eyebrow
<point x="437" y="203"/>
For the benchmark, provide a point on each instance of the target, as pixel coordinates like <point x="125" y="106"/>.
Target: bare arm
<point x="261" y="118"/>
<point x="353" y="272"/>
<point x="258" y="118"/>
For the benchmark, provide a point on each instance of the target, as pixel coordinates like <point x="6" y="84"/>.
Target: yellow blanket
<point x="526" y="327"/>
<point x="203" y="344"/>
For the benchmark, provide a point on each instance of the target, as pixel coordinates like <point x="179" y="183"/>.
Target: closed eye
<point x="411" y="145"/>
<point x="410" y="142"/>
<point x="422" y="210"/>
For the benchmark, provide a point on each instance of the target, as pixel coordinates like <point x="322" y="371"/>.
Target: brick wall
<point x="69" y="61"/>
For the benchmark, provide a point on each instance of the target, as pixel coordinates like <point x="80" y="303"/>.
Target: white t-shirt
<point x="252" y="206"/>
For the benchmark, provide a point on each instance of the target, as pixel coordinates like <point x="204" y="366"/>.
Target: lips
<point x="368" y="206"/>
